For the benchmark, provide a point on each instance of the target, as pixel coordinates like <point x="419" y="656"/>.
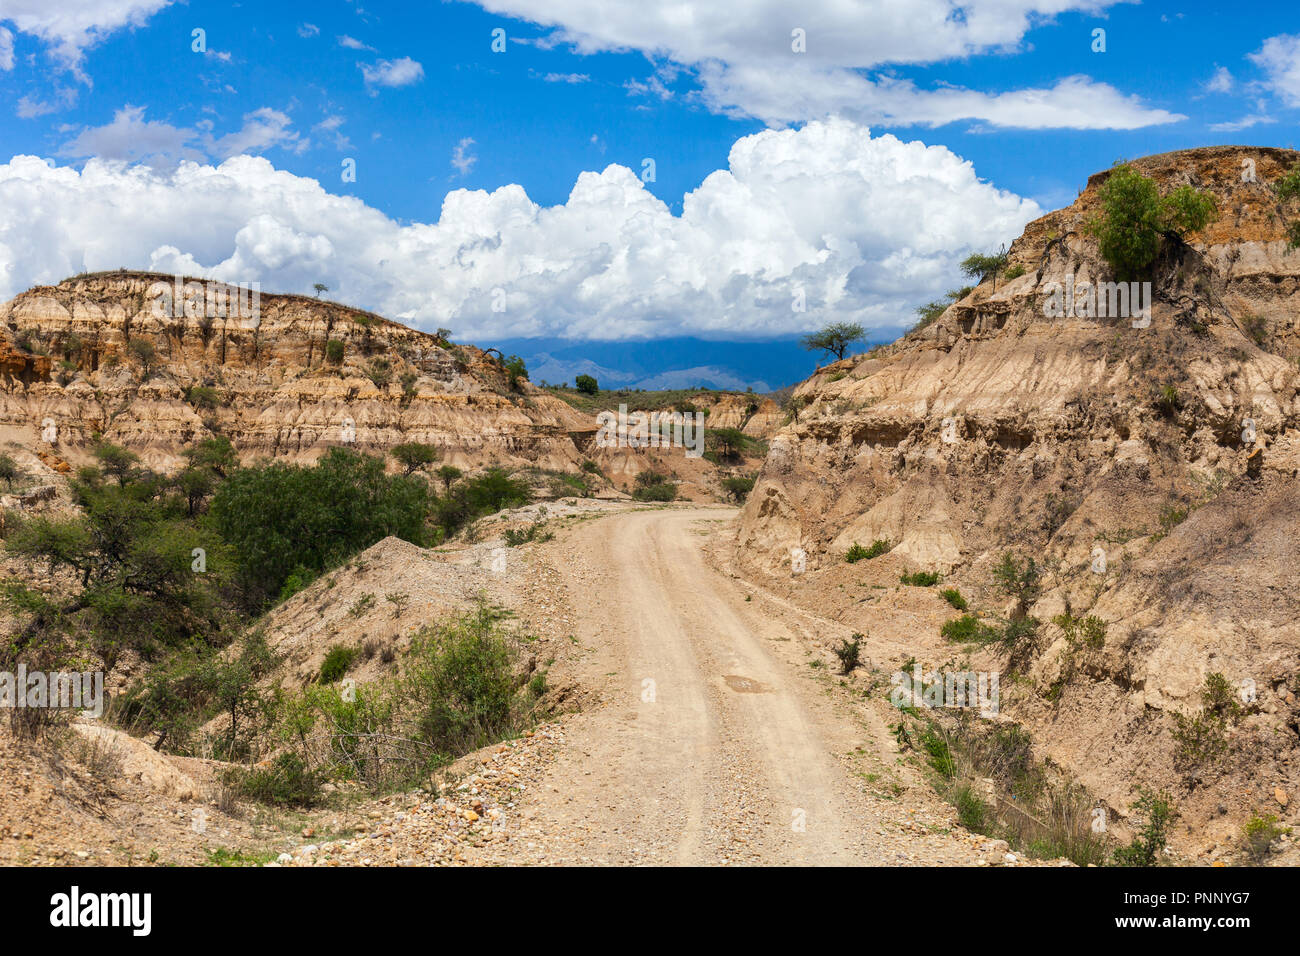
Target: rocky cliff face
<point x="141" y="362"/>
<point x="1168" y="448"/>
<point x="93" y="355"/>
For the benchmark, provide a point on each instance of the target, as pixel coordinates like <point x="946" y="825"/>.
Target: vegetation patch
<point x="858" y="553"/>
<point x="654" y="486"/>
<point x="920" y="579"/>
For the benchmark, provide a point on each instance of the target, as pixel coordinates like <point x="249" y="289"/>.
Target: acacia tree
<point x="835" y="338"/>
<point x="414" y="455"/>
<point x="130" y="552"/>
<point x="979" y="267"/>
<point x="448" y="474"/>
<point x="728" y="441"/>
<point x="116" y="461"/>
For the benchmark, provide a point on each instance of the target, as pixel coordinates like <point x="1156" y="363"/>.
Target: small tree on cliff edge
<point x="1135" y="218"/>
<point x="979" y="266"/>
<point x="834" y="339"/>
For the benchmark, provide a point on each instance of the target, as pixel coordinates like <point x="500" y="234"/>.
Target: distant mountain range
<point x="666" y="363"/>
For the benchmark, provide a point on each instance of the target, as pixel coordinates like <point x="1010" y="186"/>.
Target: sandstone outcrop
<point x="73" y="359"/>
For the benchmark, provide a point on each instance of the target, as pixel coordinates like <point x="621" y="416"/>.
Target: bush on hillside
<point x="279" y="518"/>
<point x="1135" y="219"/>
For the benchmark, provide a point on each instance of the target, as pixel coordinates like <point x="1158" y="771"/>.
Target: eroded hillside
<point x="118" y="356"/>
<point x="76" y="367"/>
<point x="1150" y="469"/>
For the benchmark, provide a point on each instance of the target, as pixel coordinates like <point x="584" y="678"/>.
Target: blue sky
<point x="803" y="181"/>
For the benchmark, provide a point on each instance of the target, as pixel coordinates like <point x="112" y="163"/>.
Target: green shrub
<point x="738" y="487"/>
<point x="1219" y="697"/>
<point x="448" y="475"/>
<point x="586" y="384"/>
<point x="282" y="519"/>
<point x="464" y="674"/>
<point x="1017" y="580"/>
<point x="859" y="553"/>
<point x="494" y="490"/>
<point x="1082" y="632"/>
<point x="966" y="629"/>
<point x="1157" y="813"/>
<point x="1019" y="641"/>
<point x="201" y="396"/>
<point x="1171" y="516"/>
<point x="410" y="386"/>
<point x="653" y="486"/>
<point x="1255" y="326"/>
<point x="533" y="532"/>
<point x="334" y="352"/>
<point x="9" y="470"/>
<point x="1288" y="188"/>
<point x="288" y="782"/>
<point x="1135" y="218"/>
<point x="564" y="484"/>
<point x="126" y="566"/>
<point x="928" y="314"/>
<point x="1258" y="835"/>
<point x="972" y="811"/>
<point x="920" y="579"/>
<point x="953" y="597"/>
<point x="338" y="661"/>
<point x="516" y="373"/>
<point x="380" y="371"/>
<point x="850" y="654"/>
<point x="299" y="579"/>
<point x="938" y="753"/>
<point x="459" y="686"/>
<point x="1201" y="738"/>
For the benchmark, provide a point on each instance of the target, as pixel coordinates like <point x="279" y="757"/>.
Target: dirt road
<point x="718" y="742"/>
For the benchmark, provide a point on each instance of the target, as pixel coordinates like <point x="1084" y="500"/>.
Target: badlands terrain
<point x="699" y="702"/>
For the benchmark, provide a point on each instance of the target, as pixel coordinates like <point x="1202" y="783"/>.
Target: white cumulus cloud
<point x="401" y="72"/>
<point x="70" y="26"/>
<point x="132" y="137"/>
<point x="786" y="61"/>
<point x="858" y="227"/>
<point x="1279" y="57"/>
